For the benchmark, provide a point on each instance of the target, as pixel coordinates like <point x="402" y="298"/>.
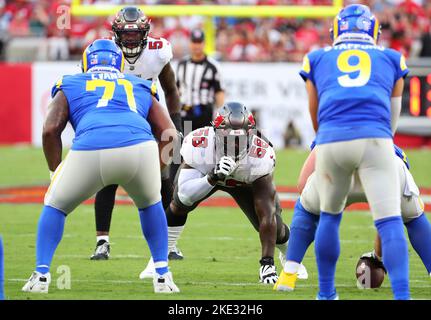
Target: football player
<point x="231" y="156"/>
<point x="306" y="218"/>
<point x="354" y="88"/>
<point x="148" y="58"/>
<point x="114" y="117"/>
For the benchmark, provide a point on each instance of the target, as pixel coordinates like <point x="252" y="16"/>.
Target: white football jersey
<point x="199" y="151"/>
<point x="152" y="60"/>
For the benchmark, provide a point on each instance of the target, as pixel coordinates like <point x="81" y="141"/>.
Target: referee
<point x="199" y="85"/>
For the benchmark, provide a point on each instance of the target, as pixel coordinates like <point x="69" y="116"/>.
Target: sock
<point x="282" y="247"/>
<point x="105" y="238"/>
<point x="155" y="230"/>
<point x="103" y="206"/>
<point x="1" y="270"/>
<point x="395" y="255"/>
<point x="49" y="233"/>
<point x="327" y="249"/>
<point x="291" y="267"/>
<point x="419" y="231"/>
<point x="174" y="234"/>
<point x="302" y="231"/>
<point x="175" y="220"/>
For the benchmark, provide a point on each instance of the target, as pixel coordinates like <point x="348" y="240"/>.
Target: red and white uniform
<point x="152" y="60"/>
<point x="199" y="152"/>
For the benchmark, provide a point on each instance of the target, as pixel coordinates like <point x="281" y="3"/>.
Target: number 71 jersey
<point x="354" y="83"/>
<point x="107" y="109"/>
<point x="199" y="152"/>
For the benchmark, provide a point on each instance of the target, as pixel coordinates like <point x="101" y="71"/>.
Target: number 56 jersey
<point x="354" y="83"/>
<point x="107" y="109"/>
<point x="199" y="152"/>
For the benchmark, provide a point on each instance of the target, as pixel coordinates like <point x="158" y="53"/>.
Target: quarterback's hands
<point x="374" y="259"/>
<point x="268" y="274"/>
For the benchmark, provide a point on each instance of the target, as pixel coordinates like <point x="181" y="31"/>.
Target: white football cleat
<point x="164" y="283"/>
<point x="149" y="270"/>
<point x="37" y="283"/>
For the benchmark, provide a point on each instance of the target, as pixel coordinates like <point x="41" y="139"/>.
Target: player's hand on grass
<point x="268" y="274"/>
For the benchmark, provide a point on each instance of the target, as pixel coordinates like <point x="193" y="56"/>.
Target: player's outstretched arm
<point x="163" y="130"/>
<point x="55" y="122"/>
<point x="307" y="170"/>
<point x="264" y="204"/>
<point x="313" y="102"/>
<point x="168" y="83"/>
<point x="396" y="97"/>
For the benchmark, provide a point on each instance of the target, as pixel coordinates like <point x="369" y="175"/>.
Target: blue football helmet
<point x="102" y="53"/>
<point x="355" y="19"/>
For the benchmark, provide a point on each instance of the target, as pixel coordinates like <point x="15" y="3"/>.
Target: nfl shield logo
<point x="344" y="25"/>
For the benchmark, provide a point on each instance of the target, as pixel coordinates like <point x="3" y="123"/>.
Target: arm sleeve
<point x="193" y="186"/>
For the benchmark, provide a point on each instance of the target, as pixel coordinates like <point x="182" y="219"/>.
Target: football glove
<point x="267" y="271"/>
<point x="374" y="259"/>
<point x="268" y="274"/>
<point x="225" y="167"/>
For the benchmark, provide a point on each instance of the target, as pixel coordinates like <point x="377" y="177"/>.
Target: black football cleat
<point x="102" y="251"/>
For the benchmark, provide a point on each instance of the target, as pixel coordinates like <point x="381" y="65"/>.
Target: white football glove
<point x="268" y="274"/>
<point x="225" y="167"/>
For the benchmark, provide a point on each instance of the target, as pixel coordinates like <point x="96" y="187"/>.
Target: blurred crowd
<point x="405" y="27"/>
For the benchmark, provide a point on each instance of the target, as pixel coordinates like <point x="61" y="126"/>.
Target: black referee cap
<point x="197" y="35"/>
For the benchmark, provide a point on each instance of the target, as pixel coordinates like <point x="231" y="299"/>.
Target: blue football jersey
<point x="107" y="109"/>
<point x="354" y="83"/>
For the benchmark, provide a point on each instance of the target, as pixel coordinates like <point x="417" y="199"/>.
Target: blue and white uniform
<point x="354" y="83"/>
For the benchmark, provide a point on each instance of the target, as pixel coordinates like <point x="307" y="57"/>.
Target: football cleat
<point x="268" y="274"/>
<point x="164" y="283"/>
<point x="175" y="254"/>
<point x="332" y="297"/>
<point x="148" y="272"/>
<point x="37" y="283"/>
<point x="302" y="271"/>
<point x="286" y="282"/>
<point x="102" y="251"/>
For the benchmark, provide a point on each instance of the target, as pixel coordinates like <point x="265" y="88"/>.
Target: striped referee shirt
<point x="198" y="82"/>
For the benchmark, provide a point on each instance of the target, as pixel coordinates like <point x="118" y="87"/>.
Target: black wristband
<point x="176" y="119"/>
<point x="266" y="261"/>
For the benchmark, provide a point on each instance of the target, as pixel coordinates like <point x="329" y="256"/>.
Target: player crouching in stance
<point x="113" y="116"/>
<point x="306" y="218"/>
<point x="230" y="156"/>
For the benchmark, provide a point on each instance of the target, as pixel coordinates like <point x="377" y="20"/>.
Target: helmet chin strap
<point x="356" y="37"/>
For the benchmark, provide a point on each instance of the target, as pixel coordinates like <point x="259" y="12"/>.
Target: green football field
<point x="221" y="248"/>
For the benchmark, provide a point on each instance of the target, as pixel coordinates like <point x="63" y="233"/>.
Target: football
<point x="369" y="275"/>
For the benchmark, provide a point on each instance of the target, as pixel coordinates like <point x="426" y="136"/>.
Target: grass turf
<point x="221" y="248"/>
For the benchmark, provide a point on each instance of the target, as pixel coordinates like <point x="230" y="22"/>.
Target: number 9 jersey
<point x="107" y="109"/>
<point x="354" y="83"/>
